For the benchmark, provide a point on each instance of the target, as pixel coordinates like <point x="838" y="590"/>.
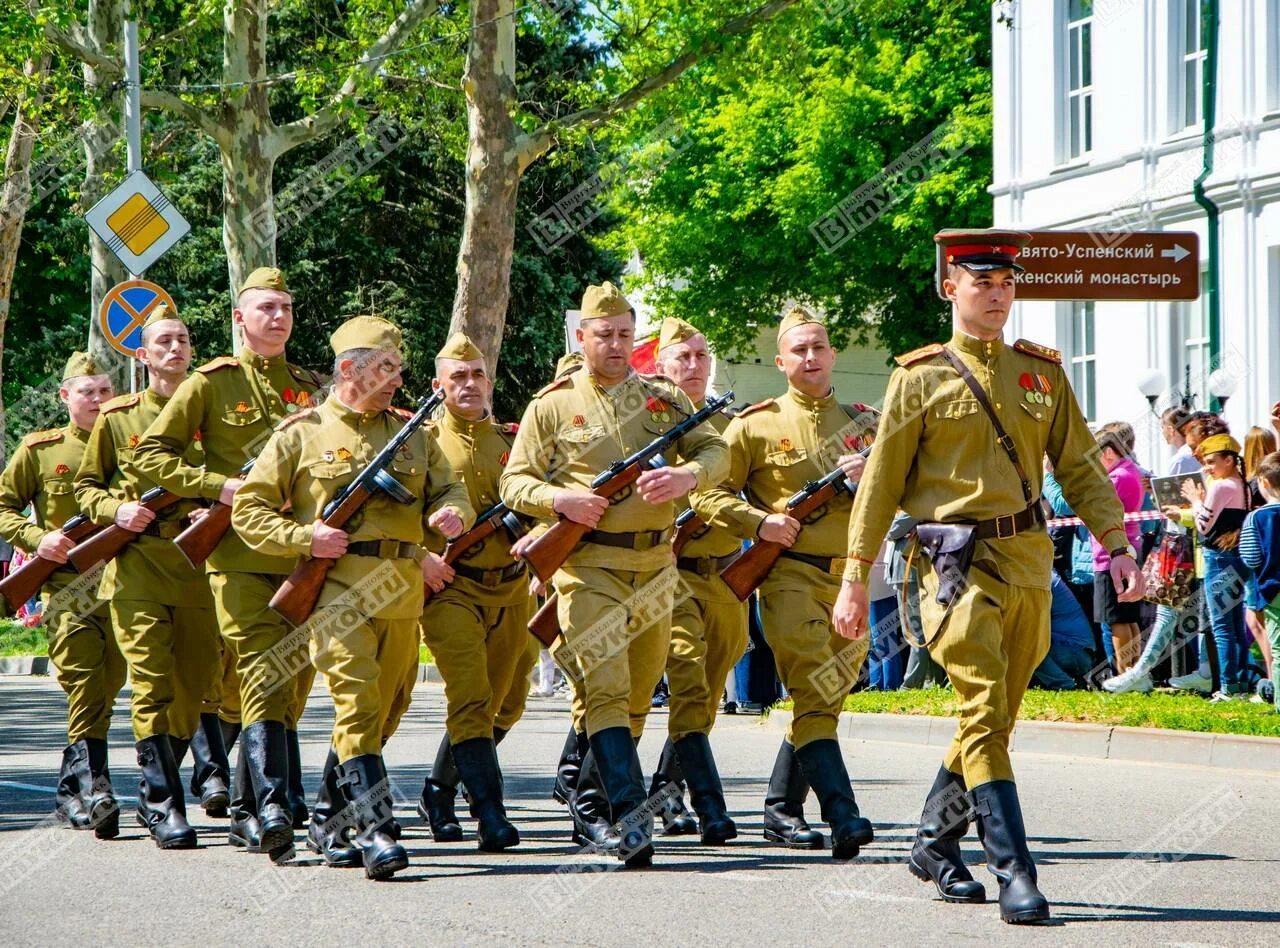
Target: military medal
<point x="62" y="469"/>
<point x="1036" y="389"/>
<point x="133" y="440"/>
<point x="579" y="421"/>
<point x="785" y="444"/>
<point x="242" y="407"/>
<point x="327" y="456"/>
<point x="343" y="454"/>
<point x="657" y="409"/>
<point x="290" y="404"/>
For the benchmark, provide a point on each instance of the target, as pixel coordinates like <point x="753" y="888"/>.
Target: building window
<point x="1084" y="375"/>
<point x="1273" y="55"/>
<point x="1194" y="325"/>
<point x="1191" y="54"/>
<point x="1079" y="85"/>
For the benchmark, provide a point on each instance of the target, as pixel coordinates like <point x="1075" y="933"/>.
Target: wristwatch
<point x="1125" y="550"/>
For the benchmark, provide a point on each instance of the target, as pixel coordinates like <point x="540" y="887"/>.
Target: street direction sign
<point x="1106" y="265"/>
<point x="137" y="222"/>
<point x="125" y="308"/>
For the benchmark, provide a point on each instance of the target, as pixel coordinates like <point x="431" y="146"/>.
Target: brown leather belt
<point x="385" y="549"/>
<point x="705" y="566"/>
<point x="490" y="577"/>
<point x="1009" y="525"/>
<point x="821" y="562"/>
<point x="167" y="529"/>
<point x="644" y="540"/>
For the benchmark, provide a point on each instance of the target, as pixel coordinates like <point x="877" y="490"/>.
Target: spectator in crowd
<point x="1079" y="573"/>
<point x="1115" y="449"/>
<point x="887" y="659"/>
<point x="1258" y="443"/>
<point x="1071" y="656"/>
<point x="1173" y="423"/>
<point x="1260" y="551"/>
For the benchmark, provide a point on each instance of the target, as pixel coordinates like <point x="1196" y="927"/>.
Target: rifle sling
<point x="1002" y="436"/>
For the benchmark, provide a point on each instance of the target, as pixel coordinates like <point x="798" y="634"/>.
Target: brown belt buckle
<point x="1005" y="523"/>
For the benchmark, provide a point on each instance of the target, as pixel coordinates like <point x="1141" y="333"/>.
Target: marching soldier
<point x="622" y="576"/>
<point x="708" y="627"/>
<point x="81" y="644"/>
<point x="776" y="446"/>
<point x="958" y="448"/>
<point x="371" y="663"/>
<point x="231" y="406"/>
<point x="476" y="623"/>
<point x="160" y="606"/>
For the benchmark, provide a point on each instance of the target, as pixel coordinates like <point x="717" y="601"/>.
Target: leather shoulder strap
<point x="1002" y="436"/>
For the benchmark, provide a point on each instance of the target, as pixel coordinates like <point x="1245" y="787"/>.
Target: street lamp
<point x="1151" y="384"/>
<point x="1222" y="385"/>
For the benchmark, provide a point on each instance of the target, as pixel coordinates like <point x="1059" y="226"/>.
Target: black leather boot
<point x="100" y="799"/>
<point x="266" y="755"/>
<point x="332" y="822"/>
<point x="589" y="808"/>
<point x="567" y="770"/>
<point x="936" y="856"/>
<point x="297" y="795"/>
<point x="824" y="767"/>
<point x="631" y="815"/>
<point x="438" y="793"/>
<point x="477" y="762"/>
<point x="244" y="831"/>
<point x="1000" y="827"/>
<point x="703" y="779"/>
<point x="676" y="818"/>
<point x="68" y="802"/>
<point x="784" y="820"/>
<point x="211" y="775"/>
<point x="364" y="783"/>
<point x="161" y="808"/>
<point x="498" y="734"/>
<point x="230" y="732"/>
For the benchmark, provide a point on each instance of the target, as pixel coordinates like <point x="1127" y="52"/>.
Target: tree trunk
<point x="15" y="197"/>
<point x="493" y="176"/>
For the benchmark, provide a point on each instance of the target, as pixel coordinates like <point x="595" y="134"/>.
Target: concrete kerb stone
<point x="24" y="665"/>
<point x="1070" y="739"/>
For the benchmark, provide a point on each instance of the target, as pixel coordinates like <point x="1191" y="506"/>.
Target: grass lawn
<point x="1181" y="712"/>
<point x="16" y="639"/>
<point x="424" y="655"/>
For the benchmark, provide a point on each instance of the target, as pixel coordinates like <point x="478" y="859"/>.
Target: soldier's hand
<point x="436" y="573"/>
<point x="198" y="514"/>
<point x="522" y="544"/>
<point x="447" y="521"/>
<point x="229" y="489"/>
<point x="580" y="507"/>
<point x="851" y="610"/>
<point x="665" y="484"/>
<point x="1127" y="578"/>
<point x="328" y="543"/>
<point x="854" y="465"/>
<point x="779" y="528"/>
<point x="134" y="517"/>
<point x="54" y="547"/>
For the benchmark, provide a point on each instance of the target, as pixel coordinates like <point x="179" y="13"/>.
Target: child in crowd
<point x="1260" y="551"/>
<point x="1115" y="447"/>
<point x="1258" y="443"/>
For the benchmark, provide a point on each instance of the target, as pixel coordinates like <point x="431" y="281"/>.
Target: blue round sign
<point x="124" y="310"/>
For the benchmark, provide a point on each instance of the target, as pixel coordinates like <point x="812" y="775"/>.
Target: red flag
<point x="642" y="356"/>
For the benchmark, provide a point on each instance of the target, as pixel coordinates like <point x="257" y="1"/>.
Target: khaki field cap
<point x="602" y="301"/>
<point x="796" y="316"/>
<point x="365" y="332"/>
<point x="984" y="249"/>
<point x="265" y="278"/>
<point x="159" y="313"/>
<point x="675" y="330"/>
<point x="459" y="347"/>
<point x="569" y="362"/>
<point x="80" y="364"/>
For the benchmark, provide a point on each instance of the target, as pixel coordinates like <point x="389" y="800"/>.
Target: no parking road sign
<point x="125" y="308"/>
<point x="137" y="222"/>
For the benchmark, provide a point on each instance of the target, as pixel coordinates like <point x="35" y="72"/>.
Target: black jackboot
<point x="161" y="808"/>
<point x="703" y="779"/>
<point x="936" y="856"/>
<point x="477" y="762"/>
<point x="104" y="811"/>
<point x="364" y="783"/>
<point x="676" y="818"/>
<point x="438" y="793"/>
<point x="784" y="820"/>
<point x="266" y="754"/>
<point x="211" y="774"/>
<point x="297" y="795"/>
<point x="824" y="767"/>
<point x="73" y="780"/>
<point x="244" y="830"/>
<point x="230" y="732"/>
<point x="589" y="807"/>
<point x="567" y="770"/>
<point x="618" y="764"/>
<point x="1000" y="827"/>
<point x="331" y="821"/>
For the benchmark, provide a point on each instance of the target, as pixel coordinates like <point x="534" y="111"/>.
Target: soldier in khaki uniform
<point x="476" y="622"/>
<point x="708" y="627"/>
<point x="81" y="644"/>
<point x="776" y="446"/>
<point x="160" y="606"/>
<point x="231" y="405"/>
<point x="937" y="456"/>
<point x="616" y="590"/>
<point x="366" y="645"/>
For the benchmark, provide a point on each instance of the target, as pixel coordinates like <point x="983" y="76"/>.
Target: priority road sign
<point x="125" y="308"/>
<point x="137" y="222"/>
<point x="1106" y="265"/>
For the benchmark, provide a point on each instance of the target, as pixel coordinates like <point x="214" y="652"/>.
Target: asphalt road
<point x="1128" y="853"/>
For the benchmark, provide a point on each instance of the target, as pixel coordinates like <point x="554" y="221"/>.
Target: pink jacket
<point x="1126" y="478"/>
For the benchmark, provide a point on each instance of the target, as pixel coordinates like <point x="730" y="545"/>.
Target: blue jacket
<point x="1081" y="551"/>
<point x="1260" y="549"/>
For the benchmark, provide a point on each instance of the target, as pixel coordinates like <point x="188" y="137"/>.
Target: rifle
<point x="545" y="624"/>
<point x="107" y="543"/>
<point x="548" y="553"/>
<point x="25" y="581"/>
<point x="296" y="598"/>
<point x="749" y="570"/>
<point x="200" y="539"/>
<point x="487" y="524"/>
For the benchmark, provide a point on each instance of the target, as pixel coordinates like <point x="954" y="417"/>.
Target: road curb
<point x="1098" y="741"/>
<point x="24" y="665"/>
<point x="429" y="673"/>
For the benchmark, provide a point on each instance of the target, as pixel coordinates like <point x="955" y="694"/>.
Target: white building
<point x="1098" y="120"/>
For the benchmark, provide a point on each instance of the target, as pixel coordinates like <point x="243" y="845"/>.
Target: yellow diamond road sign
<point x="137" y="222"/>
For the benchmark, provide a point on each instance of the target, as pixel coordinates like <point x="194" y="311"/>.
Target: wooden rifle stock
<point x="199" y="540"/>
<point x="27" y="580"/>
<point x="545" y="624"/>
<point x="106" y="544"/>
<point x="687" y="524"/>
<point x="488" y="524"/>
<point x="548" y="553"/>
<point x="297" y="596"/>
